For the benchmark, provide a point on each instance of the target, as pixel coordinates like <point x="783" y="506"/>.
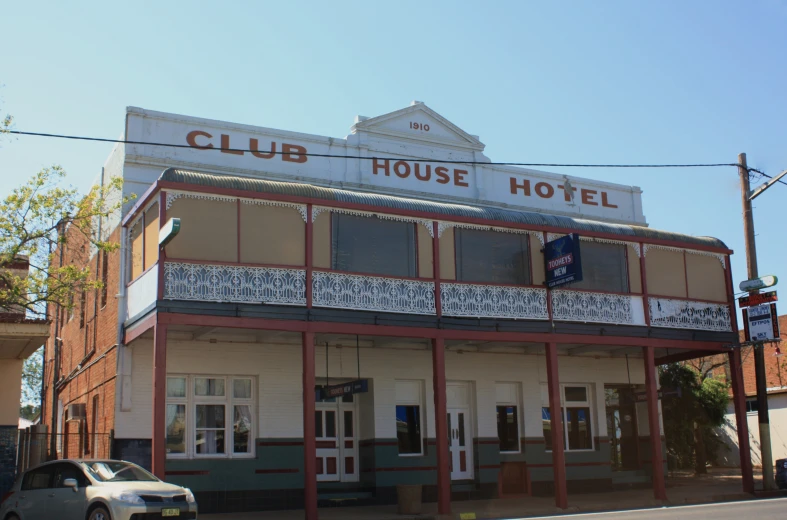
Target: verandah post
<point x="441" y="427"/>
<point x="158" y="443"/>
<point x="556" y="422"/>
<point x="309" y="438"/>
<point x="656" y="455"/>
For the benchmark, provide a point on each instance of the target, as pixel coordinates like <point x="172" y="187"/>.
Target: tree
<point x="32" y="374"/>
<point x="690" y="419"/>
<point x="29" y="411"/>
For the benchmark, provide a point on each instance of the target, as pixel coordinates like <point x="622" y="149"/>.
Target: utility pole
<point x="759" y="348"/>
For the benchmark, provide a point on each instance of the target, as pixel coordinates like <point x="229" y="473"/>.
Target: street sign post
<point x="761" y="322"/>
<point x="755" y="299"/>
<point x="758" y="283"/>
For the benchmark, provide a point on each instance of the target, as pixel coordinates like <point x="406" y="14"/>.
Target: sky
<point x="569" y="82"/>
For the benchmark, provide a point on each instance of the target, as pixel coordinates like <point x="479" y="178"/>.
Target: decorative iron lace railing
<point x="493" y="301"/>
<point x="230" y="283"/>
<point x="595" y="307"/>
<point x="372" y="293"/>
<point x="683" y="314"/>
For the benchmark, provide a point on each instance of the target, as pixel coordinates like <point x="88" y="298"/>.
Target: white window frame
<point x="588" y="402"/>
<point x="519" y="414"/>
<point x="191" y="400"/>
<point x="400" y="401"/>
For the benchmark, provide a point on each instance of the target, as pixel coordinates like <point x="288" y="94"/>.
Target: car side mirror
<point x="71" y="483"/>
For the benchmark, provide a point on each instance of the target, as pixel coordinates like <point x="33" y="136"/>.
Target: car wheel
<point x="99" y="513"/>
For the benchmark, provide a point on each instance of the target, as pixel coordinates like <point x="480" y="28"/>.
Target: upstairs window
<point x="492" y="257"/>
<point x="604" y="267"/>
<point x="373" y="246"/>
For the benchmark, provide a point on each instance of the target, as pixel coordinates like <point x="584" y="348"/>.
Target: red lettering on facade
<point x="442" y="173"/>
<point x="515" y="186"/>
<point x="605" y="201"/>
<point x="403" y="173"/>
<point x="459" y="176"/>
<point x="191" y="139"/>
<point x="225" y="146"/>
<point x="293" y="153"/>
<point x="385" y="167"/>
<point x="544" y="190"/>
<point x="587" y="197"/>
<point x="417" y="172"/>
<point x="254" y="146"/>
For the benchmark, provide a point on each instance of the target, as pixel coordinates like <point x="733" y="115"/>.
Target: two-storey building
<point x="401" y="263"/>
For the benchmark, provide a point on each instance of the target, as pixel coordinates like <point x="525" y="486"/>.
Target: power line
<point x="755" y="170"/>
<point x="338" y="156"/>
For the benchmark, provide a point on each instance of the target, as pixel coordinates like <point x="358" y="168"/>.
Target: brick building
<point x="340" y="316"/>
<point x="776" y="384"/>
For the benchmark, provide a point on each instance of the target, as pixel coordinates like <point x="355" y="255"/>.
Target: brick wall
<point x="88" y="358"/>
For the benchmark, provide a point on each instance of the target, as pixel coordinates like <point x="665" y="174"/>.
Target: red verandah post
<point x="739" y="401"/>
<point x="309" y="438"/>
<point x="441" y="427"/>
<point x="158" y="443"/>
<point x="656" y="456"/>
<point x="556" y="422"/>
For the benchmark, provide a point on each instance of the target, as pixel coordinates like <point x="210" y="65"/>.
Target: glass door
<point x="622" y="428"/>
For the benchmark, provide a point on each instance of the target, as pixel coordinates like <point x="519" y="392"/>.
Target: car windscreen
<point x="115" y="471"/>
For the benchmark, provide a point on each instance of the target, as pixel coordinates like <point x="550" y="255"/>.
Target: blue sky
<point x="572" y="81"/>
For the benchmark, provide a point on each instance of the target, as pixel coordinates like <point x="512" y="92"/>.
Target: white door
<point x="459" y="444"/>
<point x="336" y="429"/>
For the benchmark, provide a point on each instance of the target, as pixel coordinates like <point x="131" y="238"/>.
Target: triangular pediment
<point x="417" y="122"/>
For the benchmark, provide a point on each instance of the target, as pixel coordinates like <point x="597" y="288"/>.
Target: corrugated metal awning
<point x="445" y="209"/>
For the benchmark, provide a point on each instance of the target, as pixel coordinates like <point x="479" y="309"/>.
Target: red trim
<point x="333" y="204"/>
<point x="232" y="264"/>
<point x="417" y="267"/>
<point x="643" y="275"/>
<point x="436" y="269"/>
<point x="409" y="468"/>
<point x="556" y="420"/>
<point x="238" y="206"/>
<point x="138" y="329"/>
<point x="280" y="443"/>
<point x="681" y="298"/>
<point x="188" y="472"/>
<point x="309" y="260"/>
<point x="659" y="486"/>
<point x="162" y="253"/>
<point x="326" y="445"/>
<point x="375" y="275"/>
<point x="275" y="471"/>
<point x="572" y="465"/>
<point x="490" y="466"/>
<point x="731" y="295"/>
<point x="143" y="273"/>
<point x="309" y="428"/>
<point x="681" y="356"/>
<point x="549" y="292"/>
<point x="141" y="203"/>
<point x="422" y="332"/>
<point x="741" y="420"/>
<point x="441" y="428"/>
<point x="159" y="448"/>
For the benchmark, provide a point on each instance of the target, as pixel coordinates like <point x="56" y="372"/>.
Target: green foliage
<point x="690" y="419"/>
<point x="29" y="412"/>
<point x="32" y="373"/>
<point x="30" y="218"/>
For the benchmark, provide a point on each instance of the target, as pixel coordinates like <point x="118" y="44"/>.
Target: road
<point x="749" y="509"/>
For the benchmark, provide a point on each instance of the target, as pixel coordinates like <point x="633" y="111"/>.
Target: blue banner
<point x="562" y="261"/>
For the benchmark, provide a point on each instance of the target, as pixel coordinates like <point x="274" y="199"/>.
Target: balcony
<point x="233" y="283"/>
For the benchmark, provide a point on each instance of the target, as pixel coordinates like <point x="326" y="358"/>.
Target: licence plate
<point x="170" y="512"/>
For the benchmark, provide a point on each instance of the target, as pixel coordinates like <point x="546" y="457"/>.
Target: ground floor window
<point x="409" y="433"/>
<point x="210" y="416"/>
<point x="575" y="411"/>
<point x="752" y="406"/>
<point x="508" y="416"/>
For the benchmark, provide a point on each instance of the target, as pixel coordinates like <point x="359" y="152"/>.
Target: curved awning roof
<point x="446" y="209"/>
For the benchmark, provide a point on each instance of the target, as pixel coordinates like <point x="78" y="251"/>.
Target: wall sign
<point x="761" y="323"/>
<point x="563" y="261"/>
<point x="358" y="386"/>
<point x="753" y="300"/>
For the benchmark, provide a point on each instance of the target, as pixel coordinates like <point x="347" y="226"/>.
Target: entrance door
<point x="459" y="444"/>
<point x="622" y="428"/>
<point x="337" y="443"/>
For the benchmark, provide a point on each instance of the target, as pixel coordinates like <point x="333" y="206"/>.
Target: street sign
<point x="758" y="283"/>
<point x="353" y="387"/>
<point x="563" y="261"/>
<point x="753" y="300"/>
<point x="761" y="323"/>
<point x="169" y="231"/>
